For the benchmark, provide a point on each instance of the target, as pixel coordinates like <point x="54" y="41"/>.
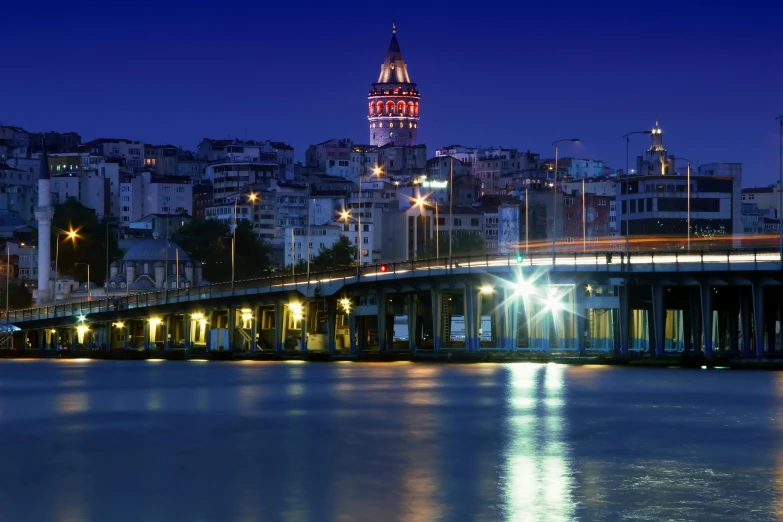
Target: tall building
<point x="394" y="102"/>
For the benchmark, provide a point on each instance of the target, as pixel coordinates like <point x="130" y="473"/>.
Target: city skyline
<point x="181" y="87"/>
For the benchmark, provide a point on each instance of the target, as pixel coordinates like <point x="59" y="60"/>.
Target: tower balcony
<point x="399" y="93"/>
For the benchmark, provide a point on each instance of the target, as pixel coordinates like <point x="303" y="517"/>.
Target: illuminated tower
<point x="656" y="161"/>
<point x="394" y="101"/>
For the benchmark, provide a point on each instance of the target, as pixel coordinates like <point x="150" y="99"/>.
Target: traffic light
<point x="520" y="257"/>
<point x="384" y="268"/>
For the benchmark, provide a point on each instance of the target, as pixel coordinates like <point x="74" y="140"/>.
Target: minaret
<point x="44" y="213"/>
<point x="393" y="101"/>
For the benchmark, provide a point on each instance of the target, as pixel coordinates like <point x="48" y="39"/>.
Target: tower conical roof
<point x="394" y="69"/>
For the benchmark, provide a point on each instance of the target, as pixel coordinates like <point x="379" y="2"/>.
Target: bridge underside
<point x="510" y="309"/>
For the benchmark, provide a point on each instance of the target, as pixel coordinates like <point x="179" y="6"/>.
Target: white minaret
<point x="44" y="213"/>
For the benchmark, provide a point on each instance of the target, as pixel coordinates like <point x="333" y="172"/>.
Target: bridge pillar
<point x="659" y="319"/>
<point x="437" y="318"/>
<point x="706" y="312"/>
<point x="279" y="311"/>
<point x="734" y="328"/>
<point x="758" y="318"/>
<point x="352" y="333"/>
<point x="186" y="320"/>
<point x="687" y="330"/>
<point x="331" y="324"/>
<point x="472" y="317"/>
<point x="231" y="313"/>
<point x="500" y="320"/>
<point x="306" y="311"/>
<point x="382" y="311"/>
<point x="512" y="322"/>
<point x="745" y="306"/>
<point x="256" y="314"/>
<point x="145" y="325"/>
<point x="770" y="316"/>
<point x="165" y="327"/>
<point x="624" y="315"/>
<point x="695" y="319"/>
<point x="581" y="321"/>
<point x="413" y="333"/>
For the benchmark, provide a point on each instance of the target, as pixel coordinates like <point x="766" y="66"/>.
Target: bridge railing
<point x="380" y="271"/>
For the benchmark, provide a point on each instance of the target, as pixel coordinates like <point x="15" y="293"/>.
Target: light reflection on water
<point x="240" y="442"/>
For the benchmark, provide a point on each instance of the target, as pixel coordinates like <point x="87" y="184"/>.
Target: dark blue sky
<point x="490" y="73"/>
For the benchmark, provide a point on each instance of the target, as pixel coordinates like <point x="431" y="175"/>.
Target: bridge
<point x="642" y="304"/>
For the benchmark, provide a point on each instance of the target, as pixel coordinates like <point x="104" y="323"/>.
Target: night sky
<point x="490" y="73"/>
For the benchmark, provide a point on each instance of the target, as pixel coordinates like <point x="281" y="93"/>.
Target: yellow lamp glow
<point x="487" y="289"/>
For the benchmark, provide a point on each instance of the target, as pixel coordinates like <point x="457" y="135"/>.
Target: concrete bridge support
<point x="746" y="321"/>
<point x="472" y="318"/>
<point x="414" y="338"/>
<point x="624" y="321"/>
<point x="658" y="329"/>
<point x="758" y="319"/>
<point x="436" y="298"/>
<point x="707" y="318"/>
<point x="279" y="334"/>
<point x="352" y="333"/>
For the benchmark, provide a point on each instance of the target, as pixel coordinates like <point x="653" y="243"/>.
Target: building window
<point x="457" y="222"/>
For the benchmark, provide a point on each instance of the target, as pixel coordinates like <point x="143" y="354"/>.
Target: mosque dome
<point x="155" y="250"/>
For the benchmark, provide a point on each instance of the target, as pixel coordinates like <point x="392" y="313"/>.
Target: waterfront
<point x="115" y="440"/>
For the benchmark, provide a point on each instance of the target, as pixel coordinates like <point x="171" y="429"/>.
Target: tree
<point x="18" y="296"/>
<point x="208" y="241"/>
<point x="340" y="255"/>
<point x="468" y="244"/>
<point x="89" y="245"/>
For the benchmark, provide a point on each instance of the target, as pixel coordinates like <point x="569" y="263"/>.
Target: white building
<point x="132" y="152"/>
<point x="321" y="236"/>
<point x="147" y="193"/>
<point x="230" y="178"/>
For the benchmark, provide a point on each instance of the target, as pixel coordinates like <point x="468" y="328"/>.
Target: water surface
<point x="163" y="441"/>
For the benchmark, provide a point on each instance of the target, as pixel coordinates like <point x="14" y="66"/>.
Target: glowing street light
<point x="554" y="302"/>
<point x="487" y="289"/>
<point x="524" y="288"/>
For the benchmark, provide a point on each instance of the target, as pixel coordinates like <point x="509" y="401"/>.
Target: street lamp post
<point x="252" y="197"/>
<point x="420" y="202"/>
<point x="527" y="225"/>
<point x="688" y="219"/>
<point x="89" y="290"/>
<point x="627" y="137"/>
<point x="584" y="219"/>
<point x="377" y="172"/>
<point x="554" y="206"/>
<point x="451" y="207"/>
<point x="7" y="277"/>
<point x="780" y="189"/>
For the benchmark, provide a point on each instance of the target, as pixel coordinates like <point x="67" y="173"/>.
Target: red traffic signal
<point x="384" y="268"/>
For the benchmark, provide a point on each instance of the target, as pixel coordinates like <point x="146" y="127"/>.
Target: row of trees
<point x="209" y="241"/>
<point x="340" y="255"/>
<point x="462" y="244"/>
